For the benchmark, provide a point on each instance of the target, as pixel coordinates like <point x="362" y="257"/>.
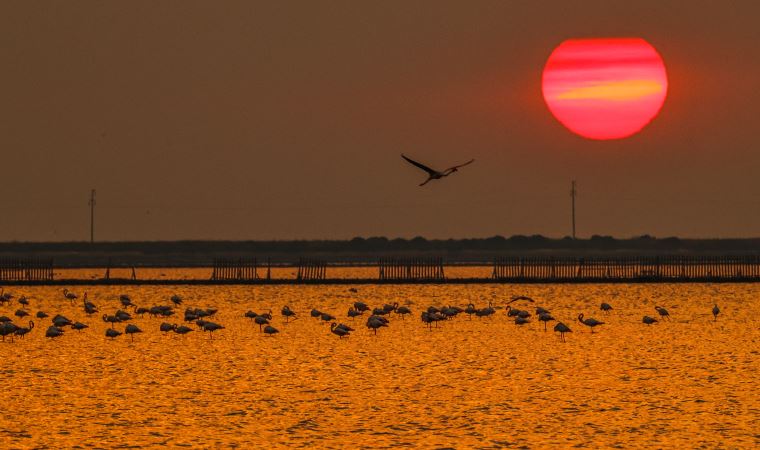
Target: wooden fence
<point x="411" y="269"/>
<point x="311" y="270"/>
<point x="628" y="268"/>
<point x="14" y="269"/>
<point x="237" y="269"/>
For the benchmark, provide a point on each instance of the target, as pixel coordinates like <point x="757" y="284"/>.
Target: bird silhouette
<point x="22" y="331"/>
<point x="715" y="312"/>
<point x="53" y="332"/>
<point x="561" y="328"/>
<point x="375" y="322"/>
<point x="402" y="311"/>
<point x="648" y="320"/>
<point x="79" y="326"/>
<point x="545" y="318"/>
<point x="288" y="313"/>
<point x="111" y="333"/>
<point x="70" y="296"/>
<point x="339" y="330"/>
<point x="590" y="322"/>
<point x="131" y="330"/>
<point x="662" y="312"/>
<point x="435" y="174"/>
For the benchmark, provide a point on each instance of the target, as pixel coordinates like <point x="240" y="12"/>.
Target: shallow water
<point x="469" y="384"/>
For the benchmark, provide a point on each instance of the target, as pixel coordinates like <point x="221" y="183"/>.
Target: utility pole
<point x="92" y="216"/>
<point x="573" y="193"/>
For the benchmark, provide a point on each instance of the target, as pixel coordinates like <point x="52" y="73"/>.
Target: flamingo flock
<point x="378" y="317"/>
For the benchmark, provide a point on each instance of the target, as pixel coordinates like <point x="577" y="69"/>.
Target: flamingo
<point x="123" y="316"/>
<point x="561" y="328"/>
<point x="402" y="311"/>
<point x="521" y="320"/>
<point x="545" y="318"/>
<point x="327" y="317"/>
<point x="176" y="299"/>
<point x="7" y="329"/>
<point x="339" y="331"/>
<point x="270" y="330"/>
<point x="470" y="310"/>
<point x="23" y="301"/>
<point x="261" y="321"/>
<point x="126" y="300"/>
<point x="648" y="320"/>
<point x="182" y="329"/>
<point x="79" y="326"/>
<point x="427" y="319"/>
<point x="166" y="327"/>
<point x="435" y="174"/>
<point x="111" y="333"/>
<point x="288" y="313"/>
<point x="487" y="311"/>
<point x="517" y="298"/>
<point x="517" y="312"/>
<point x="715" y="312"/>
<point x="390" y="308"/>
<point x="375" y="322"/>
<point x="53" y="332"/>
<point x="605" y="307"/>
<point x="111" y="319"/>
<point x="22" y="331"/>
<point x="361" y="306"/>
<point x="590" y="322"/>
<point x="315" y="313"/>
<point x="70" y="296"/>
<point x="20" y="313"/>
<point x="41" y="315"/>
<point x="352" y="312"/>
<point x="662" y="312"/>
<point x="131" y="330"/>
<point x="61" y="321"/>
<point x="89" y="307"/>
<point x="211" y="327"/>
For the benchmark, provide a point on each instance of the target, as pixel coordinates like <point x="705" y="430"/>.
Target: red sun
<point x="605" y="88"/>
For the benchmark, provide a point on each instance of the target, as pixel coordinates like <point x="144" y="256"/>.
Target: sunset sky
<point x="280" y="120"/>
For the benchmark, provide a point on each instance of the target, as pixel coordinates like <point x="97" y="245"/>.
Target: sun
<point x="605" y="88"/>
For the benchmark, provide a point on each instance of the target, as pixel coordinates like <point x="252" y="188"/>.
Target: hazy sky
<point x="285" y="119"/>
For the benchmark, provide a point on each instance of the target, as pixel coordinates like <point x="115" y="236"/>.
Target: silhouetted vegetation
<point x="364" y="250"/>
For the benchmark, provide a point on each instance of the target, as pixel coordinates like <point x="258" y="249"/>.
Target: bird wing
<point x="461" y="165"/>
<point x="521" y="297"/>
<point x="420" y="165"/>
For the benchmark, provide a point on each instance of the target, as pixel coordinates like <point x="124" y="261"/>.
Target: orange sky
<point x="274" y="120"/>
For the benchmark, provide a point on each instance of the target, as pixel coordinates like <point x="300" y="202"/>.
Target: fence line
<point x="236" y="269"/>
<point x="311" y="270"/>
<point x="627" y="268"/>
<point x="411" y="269"/>
<point x="32" y="269"/>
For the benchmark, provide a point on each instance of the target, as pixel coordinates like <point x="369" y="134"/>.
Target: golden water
<point x="470" y="384"/>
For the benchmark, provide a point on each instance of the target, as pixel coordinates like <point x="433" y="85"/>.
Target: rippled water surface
<point x="473" y="383"/>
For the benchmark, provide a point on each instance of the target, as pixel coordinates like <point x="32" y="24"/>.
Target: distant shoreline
<point x="361" y="251"/>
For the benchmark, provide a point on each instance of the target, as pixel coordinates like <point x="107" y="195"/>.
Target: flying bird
<point x="435" y="174"/>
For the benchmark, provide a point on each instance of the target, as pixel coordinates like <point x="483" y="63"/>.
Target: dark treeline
<point x="364" y="249"/>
